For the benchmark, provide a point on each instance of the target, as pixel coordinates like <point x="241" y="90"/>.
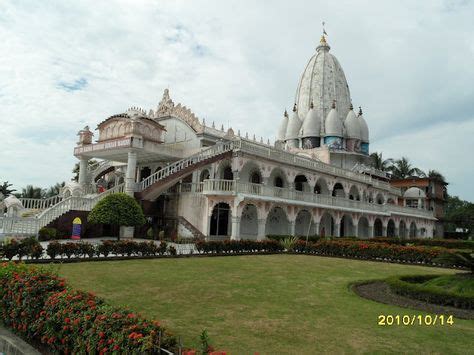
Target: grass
<point x="459" y="284"/>
<point x="270" y="304"/>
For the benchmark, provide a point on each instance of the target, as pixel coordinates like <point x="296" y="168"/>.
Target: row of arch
<point x="278" y="223"/>
<point x="251" y="173"/>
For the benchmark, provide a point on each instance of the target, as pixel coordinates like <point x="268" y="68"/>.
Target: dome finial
<point x="333" y="104"/>
<point x="286" y="113"/>
<point x="351" y="107"/>
<point x="360" y="111"/>
<point x="294" y="107"/>
<point x="311" y="105"/>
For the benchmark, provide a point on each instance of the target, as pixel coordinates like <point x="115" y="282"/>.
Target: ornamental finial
<point x="360" y="111"/>
<point x="286" y="113"/>
<point x="351" y="107"/>
<point x="333" y="104"/>
<point x="294" y="107"/>
<point x="311" y="105"/>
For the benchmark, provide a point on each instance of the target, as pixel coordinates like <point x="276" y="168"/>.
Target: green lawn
<point x="270" y="304"/>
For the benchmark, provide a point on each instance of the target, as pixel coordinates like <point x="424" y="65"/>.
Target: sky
<point x="67" y="64"/>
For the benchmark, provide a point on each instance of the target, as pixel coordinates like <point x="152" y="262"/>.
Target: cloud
<point x="64" y="65"/>
<point x="78" y="84"/>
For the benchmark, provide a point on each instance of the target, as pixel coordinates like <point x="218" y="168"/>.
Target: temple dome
<point x="283" y="126"/>
<point x="334" y="124"/>
<point x="364" y="128"/>
<point x="312" y="124"/>
<point x="294" y="125"/>
<point x="414" y="192"/>
<point x="323" y="81"/>
<point x="352" y="125"/>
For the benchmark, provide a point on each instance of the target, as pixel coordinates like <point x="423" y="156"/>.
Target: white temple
<point x="194" y="179"/>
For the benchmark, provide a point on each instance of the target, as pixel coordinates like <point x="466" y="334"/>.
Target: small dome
<point x="414" y="192"/>
<point x="333" y="123"/>
<point x="12" y="201"/>
<point x="294" y="125"/>
<point x="283" y="126"/>
<point x="312" y="124"/>
<point x="364" y="129"/>
<point x="352" y="125"/>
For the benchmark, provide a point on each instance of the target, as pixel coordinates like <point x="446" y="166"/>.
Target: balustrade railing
<point x="235" y="187"/>
<point x="40" y="203"/>
<point x="287" y="157"/>
<point x="175" y="167"/>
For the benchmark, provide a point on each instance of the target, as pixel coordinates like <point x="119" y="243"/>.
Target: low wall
<point x="11" y="344"/>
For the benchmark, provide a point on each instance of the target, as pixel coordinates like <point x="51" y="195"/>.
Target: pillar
<point x="235" y="234"/>
<point x="397" y="232"/>
<point x="384" y="231"/>
<point x="316" y="228"/>
<point x="130" y="176"/>
<point x="371" y="230"/>
<point x="261" y="229"/>
<point x="292" y="227"/>
<point x="337" y="229"/>
<point x="83" y="164"/>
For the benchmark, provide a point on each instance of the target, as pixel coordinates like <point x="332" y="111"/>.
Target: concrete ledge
<point x="12" y="344"/>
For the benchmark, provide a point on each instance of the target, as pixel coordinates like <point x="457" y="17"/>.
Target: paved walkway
<point x="11" y="344"/>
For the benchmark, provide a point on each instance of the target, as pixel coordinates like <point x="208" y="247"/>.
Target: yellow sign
<point x="77" y="220"/>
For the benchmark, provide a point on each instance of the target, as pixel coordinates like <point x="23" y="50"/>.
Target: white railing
<point x="226" y="187"/>
<point x="40" y="203"/>
<point x="175" y="167"/>
<point x="291" y="158"/>
<point x="31" y="225"/>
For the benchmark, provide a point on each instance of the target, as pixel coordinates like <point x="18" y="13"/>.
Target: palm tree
<point x="5" y="189"/>
<point x="31" y="191"/>
<point x="379" y="163"/>
<point x="402" y="169"/>
<point x="436" y="175"/>
<point x="54" y="190"/>
<point x="75" y="170"/>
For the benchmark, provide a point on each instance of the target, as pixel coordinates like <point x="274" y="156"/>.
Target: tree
<point x="436" y="175"/>
<point x="379" y="163"/>
<point x="402" y="169"/>
<point x="54" y="190"/>
<point x="31" y="191"/>
<point x="5" y="189"/>
<point x="75" y="170"/>
<point x="117" y="209"/>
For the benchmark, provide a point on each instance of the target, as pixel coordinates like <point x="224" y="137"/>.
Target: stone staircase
<point x="151" y="187"/>
<point x="197" y="234"/>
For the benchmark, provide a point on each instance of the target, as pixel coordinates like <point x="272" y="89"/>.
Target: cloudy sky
<point x="65" y="64"/>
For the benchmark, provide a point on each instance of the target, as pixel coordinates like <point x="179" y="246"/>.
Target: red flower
<point x="101" y="334"/>
<point x="67" y="320"/>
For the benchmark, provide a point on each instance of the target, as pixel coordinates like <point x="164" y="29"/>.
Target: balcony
<point x="264" y="192"/>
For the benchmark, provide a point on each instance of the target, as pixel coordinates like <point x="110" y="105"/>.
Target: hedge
<point x="412" y="287"/>
<point x="41" y="308"/>
<point x="445" y="243"/>
<point x="367" y="250"/>
<point x="239" y="246"/>
<point x="280" y="237"/>
<point x="32" y="249"/>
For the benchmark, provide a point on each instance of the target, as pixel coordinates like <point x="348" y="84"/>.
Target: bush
<point x="278" y="238"/>
<point x="238" y="246"/>
<point x="413" y="287"/>
<point x="105" y="248"/>
<point x="374" y="251"/>
<point x="445" y="243"/>
<point x="46" y="233"/>
<point x="117" y="209"/>
<point x="41" y="308"/>
<point x="54" y="249"/>
<point x="25" y="247"/>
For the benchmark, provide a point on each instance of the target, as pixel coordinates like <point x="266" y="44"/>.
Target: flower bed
<point x="41" y="308"/>
<point x="32" y="249"/>
<point x="239" y="246"/>
<point x="370" y="250"/>
<point x="445" y="243"/>
<point x="414" y="287"/>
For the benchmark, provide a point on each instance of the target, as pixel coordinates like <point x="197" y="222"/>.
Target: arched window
<point x="255" y="178"/>
<point x="220" y="220"/>
<point x="278" y="182"/>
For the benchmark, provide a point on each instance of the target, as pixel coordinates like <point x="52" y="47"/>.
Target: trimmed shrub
<point x="41" y="308"/>
<point x="238" y="246"/>
<point x="54" y="249"/>
<point x="412" y="286"/>
<point x="46" y="233"/>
